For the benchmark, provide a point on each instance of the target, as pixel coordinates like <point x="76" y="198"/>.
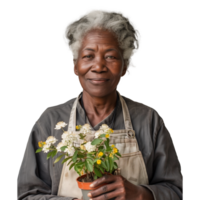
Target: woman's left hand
<point x="119" y="188"/>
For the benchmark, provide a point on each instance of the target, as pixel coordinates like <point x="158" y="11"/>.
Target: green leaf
<point x="109" y="149"/>
<point x="104" y="165"/>
<point x="82" y="137"/>
<point x="54" y="152"/>
<point x="63" y="148"/>
<point x="74" y="158"/>
<point x="38" y="150"/>
<point x="90" y="161"/>
<point x="107" y="143"/>
<point x="71" y="165"/>
<point x="49" y="155"/>
<point x="69" y="162"/>
<point x="102" y="135"/>
<point x="107" y="164"/>
<point x="90" y="156"/>
<point x="89" y="165"/>
<point x="95" y="177"/>
<point x="76" y="169"/>
<point x="115" y="165"/>
<point x="115" y="158"/>
<point x="96" y="141"/>
<point x="92" y="152"/>
<point x="58" y="158"/>
<point x="83" y="143"/>
<point x="80" y="163"/>
<point x="97" y="172"/>
<point x="118" y="154"/>
<point x="101" y="168"/>
<point x="100" y="148"/>
<point x="66" y="159"/>
<point x="81" y="134"/>
<point x="80" y="156"/>
<point x="111" y="164"/>
<point x="95" y="160"/>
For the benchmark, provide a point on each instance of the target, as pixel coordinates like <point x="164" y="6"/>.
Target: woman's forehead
<point x="98" y="37"/>
<point x="98" y="34"/>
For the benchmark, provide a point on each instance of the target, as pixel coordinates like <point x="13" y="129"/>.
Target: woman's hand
<point x="119" y="188"/>
<point x="77" y="199"/>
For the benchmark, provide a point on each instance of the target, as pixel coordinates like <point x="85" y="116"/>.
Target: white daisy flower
<point x="46" y="148"/>
<point x="98" y="133"/>
<point x="59" y="146"/>
<point x="65" y="135"/>
<point x="104" y="127"/>
<point x="60" y="125"/>
<point x="108" y="131"/>
<point x="89" y="147"/>
<point x="51" y="140"/>
<point x="66" y="143"/>
<point x="70" y="150"/>
<point x="69" y="137"/>
<point x="85" y="129"/>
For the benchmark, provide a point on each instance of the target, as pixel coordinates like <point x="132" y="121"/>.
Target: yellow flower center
<point x="112" y="145"/>
<point x="82" y="172"/>
<point x="115" y="150"/>
<point x="100" y="154"/>
<point x="111" y="155"/>
<point x="40" y="144"/>
<point x="107" y="135"/>
<point x="78" y="127"/>
<point x="82" y="147"/>
<point x="98" y="162"/>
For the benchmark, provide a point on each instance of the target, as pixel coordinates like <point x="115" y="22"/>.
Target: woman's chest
<point x="94" y="120"/>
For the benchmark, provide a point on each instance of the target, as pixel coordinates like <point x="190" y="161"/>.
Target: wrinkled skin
<point x="99" y="67"/>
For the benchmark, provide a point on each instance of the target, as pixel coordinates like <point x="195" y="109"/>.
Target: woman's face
<point x="100" y="64"/>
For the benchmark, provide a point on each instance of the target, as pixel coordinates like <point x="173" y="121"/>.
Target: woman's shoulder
<point x="142" y="112"/>
<point x="65" y="106"/>
<point x="46" y="122"/>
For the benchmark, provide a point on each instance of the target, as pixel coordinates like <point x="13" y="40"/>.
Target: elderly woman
<point x="102" y="44"/>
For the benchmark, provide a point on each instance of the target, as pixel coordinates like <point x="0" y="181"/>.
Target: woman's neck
<point x="98" y="108"/>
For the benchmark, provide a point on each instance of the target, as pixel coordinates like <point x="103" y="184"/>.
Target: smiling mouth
<point x="98" y="81"/>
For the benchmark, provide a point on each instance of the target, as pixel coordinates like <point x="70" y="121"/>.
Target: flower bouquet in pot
<point x="90" y="159"/>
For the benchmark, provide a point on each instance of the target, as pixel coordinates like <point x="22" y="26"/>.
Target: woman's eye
<point x="110" y="57"/>
<point x="87" y="56"/>
<point x="91" y="56"/>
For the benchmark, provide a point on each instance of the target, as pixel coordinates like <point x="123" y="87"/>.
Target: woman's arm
<point x="35" y="176"/>
<point x="166" y="182"/>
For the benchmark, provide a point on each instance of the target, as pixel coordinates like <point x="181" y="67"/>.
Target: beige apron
<point x="131" y="163"/>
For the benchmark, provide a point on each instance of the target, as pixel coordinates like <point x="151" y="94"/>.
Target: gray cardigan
<point x="39" y="180"/>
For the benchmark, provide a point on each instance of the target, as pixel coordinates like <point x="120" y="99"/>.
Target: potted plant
<point x="91" y="160"/>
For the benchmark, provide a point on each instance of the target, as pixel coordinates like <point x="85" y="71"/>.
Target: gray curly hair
<point x="114" y="22"/>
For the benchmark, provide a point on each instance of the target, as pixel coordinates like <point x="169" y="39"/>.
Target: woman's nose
<point x="99" y="65"/>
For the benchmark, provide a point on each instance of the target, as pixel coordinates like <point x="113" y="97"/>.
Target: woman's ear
<point x="75" y="67"/>
<point x="124" y="70"/>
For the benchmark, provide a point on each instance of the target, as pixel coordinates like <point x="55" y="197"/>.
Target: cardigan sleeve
<point x="166" y="182"/>
<point x="34" y="179"/>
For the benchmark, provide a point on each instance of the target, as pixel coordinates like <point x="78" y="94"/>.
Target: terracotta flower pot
<point x="85" y="187"/>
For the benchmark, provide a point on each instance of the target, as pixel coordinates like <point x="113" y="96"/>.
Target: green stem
<point x="93" y="174"/>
